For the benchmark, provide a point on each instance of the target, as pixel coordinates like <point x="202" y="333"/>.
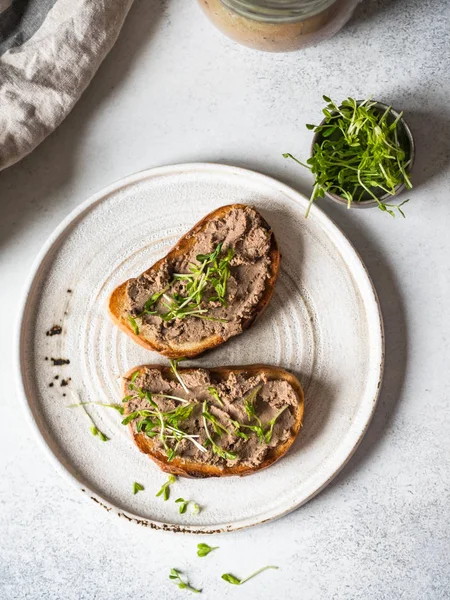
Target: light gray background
<point x="174" y="90"/>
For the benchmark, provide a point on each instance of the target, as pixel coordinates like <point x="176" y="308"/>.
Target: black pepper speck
<point x="60" y="361"/>
<point x="55" y="330"/>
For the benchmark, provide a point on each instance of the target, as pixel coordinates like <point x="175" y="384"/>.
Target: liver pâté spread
<point x="207" y="417"/>
<point x="212" y="289"/>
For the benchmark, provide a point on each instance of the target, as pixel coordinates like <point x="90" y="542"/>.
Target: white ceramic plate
<point x="323" y="324"/>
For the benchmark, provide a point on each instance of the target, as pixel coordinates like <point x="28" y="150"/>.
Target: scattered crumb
<point x="65" y="382"/>
<point x="50" y="384"/>
<point x="60" y="361"/>
<point x="69" y="291"/>
<point x="64" y="395"/>
<point x="56" y="377"/>
<point x="55" y="330"/>
<point x="46" y="358"/>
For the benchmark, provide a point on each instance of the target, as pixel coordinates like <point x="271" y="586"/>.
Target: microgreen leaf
<point x="204" y="549"/>
<point x="97" y="433"/>
<point x="237" y="430"/>
<point x="231" y="579"/>
<point x="133" y="324"/>
<point x="184" y="505"/>
<point x="207" y="258"/>
<point x="270" y="425"/>
<point x="134" y="376"/>
<point x="249" y="404"/>
<point x="215" y="448"/>
<point x="174" y="367"/>
<point x="165" y="488"/>
<point x="137" y="487"/>
<point x="103" y="437"/>
<point x="217" y="425"/>
<point x="235" y="581"/>
<point x="175" y="575"/>
<point x="154" y="299"/>
<point x="215" y="394"/>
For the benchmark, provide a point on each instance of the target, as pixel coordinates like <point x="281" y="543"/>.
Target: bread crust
<point x="184" y="468"/>
<point x="118" y="300"/>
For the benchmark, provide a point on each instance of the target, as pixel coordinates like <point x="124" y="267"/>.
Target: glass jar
<point x="278" y="25"/>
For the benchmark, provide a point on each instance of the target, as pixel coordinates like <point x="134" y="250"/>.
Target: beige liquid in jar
<point x="279" y="36"/>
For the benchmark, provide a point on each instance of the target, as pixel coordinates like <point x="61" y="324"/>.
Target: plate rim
<point x="325" y="222"/>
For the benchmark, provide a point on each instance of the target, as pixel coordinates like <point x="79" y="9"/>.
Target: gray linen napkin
<point x="49" y="52"/>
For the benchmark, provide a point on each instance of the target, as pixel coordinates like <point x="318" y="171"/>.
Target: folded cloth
<point x="49" y="52"/>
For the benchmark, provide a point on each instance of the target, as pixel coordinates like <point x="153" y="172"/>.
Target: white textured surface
<point x="323" y="324"/>
<point x="174" y="90"/>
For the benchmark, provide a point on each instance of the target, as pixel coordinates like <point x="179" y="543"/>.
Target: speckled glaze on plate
<point x="323" y="324"/>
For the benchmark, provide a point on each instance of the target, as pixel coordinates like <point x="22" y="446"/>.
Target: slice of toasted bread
<point x="118" y="301"/>
<point x="187" y="468"/>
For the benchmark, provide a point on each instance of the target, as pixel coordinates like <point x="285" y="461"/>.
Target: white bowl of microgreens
<point x="361" y="155"/>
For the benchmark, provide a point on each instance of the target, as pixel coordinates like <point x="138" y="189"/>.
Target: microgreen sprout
<point x="358" y="154"/>
<point x="235" y="581"/>
<point x="163" y="424"/>
<point x="215" y="448"/>
<point x="171" y="397"/>
<point x="165" y="488"/>
<point x="249" y="404"/>
<point x="270" y="425"/>
<point x="96" y="432"/>
<point x="147" y="310"/>
<point x="218" y="427"/>
<point x="184" y="505"/>
<point x="204" y="549"/>
<point x="167" y="425"/>
<point x="215" y="394"/>
<point x="174" y="367"/>
<point x="137" y="487"/>
<point x="209" y="274"/>
<point x="264" y="432"/>
<point x="134" y="325"/>
<point x="183" y="585"/>
<point x="117" y="407"/>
